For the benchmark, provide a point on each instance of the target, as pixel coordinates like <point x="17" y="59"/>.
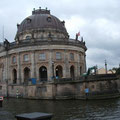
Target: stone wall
<point x="98" y="89"/>
<point x="34" y="63"/>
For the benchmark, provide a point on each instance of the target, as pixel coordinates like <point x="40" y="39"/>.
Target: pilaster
<point x="33" y="66"/>
<point x="50" y="66"/>
<point x="66" y="72"/>
<point x="78" y="65"/>
<point x="18" y="69"/>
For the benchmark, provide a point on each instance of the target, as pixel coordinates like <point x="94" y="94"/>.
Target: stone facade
<point x="8" y="65"/>
<point x="42" y="53"/>
<point x="100" y="87"/>
<point x="44" y="63"/>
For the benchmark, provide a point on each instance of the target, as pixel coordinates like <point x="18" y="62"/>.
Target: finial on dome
<point x="63" y="22"/>
<point x="41" y="11"/>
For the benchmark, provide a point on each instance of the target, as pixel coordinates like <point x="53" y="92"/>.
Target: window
<point x="71" y="56"/>
<point x="58" y="56"/>
<point x="26" y="58"/>
<point x="42" y="56"/>
<point x="29" y="20"/>
<point x="14" y="59"/>
<point x="28" y="37"/>
<point x="49" y="19"/>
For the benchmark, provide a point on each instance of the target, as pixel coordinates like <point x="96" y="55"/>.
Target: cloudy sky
<point x="97" y="20"/>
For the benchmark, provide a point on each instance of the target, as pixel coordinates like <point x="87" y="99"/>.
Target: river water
<point x="63" y="109"/>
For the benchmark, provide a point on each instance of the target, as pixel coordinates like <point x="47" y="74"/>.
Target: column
<point x="18" y="69"/>
<point x="50" y="69"/>
<point x="66" y="72"/>
<point x="33" y="67"/>
<point x="4" y="71"/>
<point x="76" y="69"/>
<point x="6" y="68"/>
<point x="78" y="65"/>
<point x="5" y="75"/>
<point x="85" y="67"/>
<point x="82" y="64"/>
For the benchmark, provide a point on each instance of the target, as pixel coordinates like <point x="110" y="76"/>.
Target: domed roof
<point x="41" y="19"/>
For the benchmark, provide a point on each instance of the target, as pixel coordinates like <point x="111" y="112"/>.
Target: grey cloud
<point x="102" y="39"/>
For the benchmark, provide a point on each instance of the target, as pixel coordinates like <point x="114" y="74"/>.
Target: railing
<point x="46" y="41"/>
<point x="101" y="76"/>
<point x="87" y="78"/>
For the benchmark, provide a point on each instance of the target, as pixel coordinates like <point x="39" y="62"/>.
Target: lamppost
<point x="53" y="70"/>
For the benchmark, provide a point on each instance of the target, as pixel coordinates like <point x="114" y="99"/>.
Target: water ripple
<point x="63" y="110"/>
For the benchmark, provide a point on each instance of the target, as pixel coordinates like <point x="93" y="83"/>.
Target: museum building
<point x="42" y="51"/>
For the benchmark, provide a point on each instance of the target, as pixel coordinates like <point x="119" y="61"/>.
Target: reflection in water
<point x="63" y="110"/>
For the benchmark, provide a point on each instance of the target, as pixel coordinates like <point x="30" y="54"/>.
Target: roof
<point x="41" y="19"/>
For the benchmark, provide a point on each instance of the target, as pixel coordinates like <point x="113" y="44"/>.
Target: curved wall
<point x="67" y="56"/>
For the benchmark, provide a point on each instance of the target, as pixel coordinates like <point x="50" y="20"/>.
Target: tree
<point x="118" y="71"/>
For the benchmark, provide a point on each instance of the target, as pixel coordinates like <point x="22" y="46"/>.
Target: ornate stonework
<point x="42" y="50"/>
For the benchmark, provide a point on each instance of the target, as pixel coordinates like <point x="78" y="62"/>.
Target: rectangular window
<point x="26" y="57"/>
<point x="71" y="56"/>
<point x="14" y="59"/>
<point x="42" y="56"/>
<point x="58" y="56"/>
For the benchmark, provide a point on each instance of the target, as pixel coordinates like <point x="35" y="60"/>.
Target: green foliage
<point x="118" y="71"/>
<point x="114" y="68"/>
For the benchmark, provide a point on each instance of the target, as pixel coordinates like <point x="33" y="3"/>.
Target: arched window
<point x="26" y="75"/>
<point x="59" y="71"/>
<point x="72" y="74"/>
<point x="14" y="76"/>
<point x="49" y="19"/>
<point x="28" y="20"/>
<point x="43" y="73"/>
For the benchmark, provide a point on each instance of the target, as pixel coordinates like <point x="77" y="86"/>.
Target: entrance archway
<point x="14" y="76"/>
<point x="26" y="75"/>
<point x="72" y="74"/>
<point x="43" y="73"/>
<point x="59" y="71"/>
